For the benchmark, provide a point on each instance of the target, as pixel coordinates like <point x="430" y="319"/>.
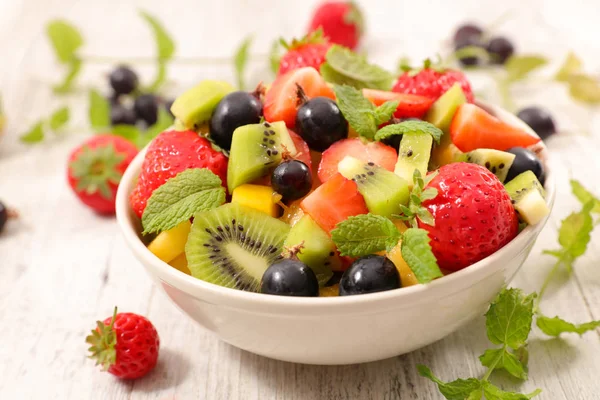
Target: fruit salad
<point x="310" y="186"/>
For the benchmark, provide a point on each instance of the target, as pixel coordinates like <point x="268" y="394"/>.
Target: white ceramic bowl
<point x="336" y="330"/>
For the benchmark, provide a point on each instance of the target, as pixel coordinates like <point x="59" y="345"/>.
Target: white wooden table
<point x="62" y="267"/>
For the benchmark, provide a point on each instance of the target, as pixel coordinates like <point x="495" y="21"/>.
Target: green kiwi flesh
<point x="496" y="161"/>
<point x="528" y="197"/>
<point x="442" y="111"/>
<point x="233" y="245"/>
<point x="318" y="250"/>
<point x="383" y="191"/>
<point x="195" y="106"/>
<point x="414" y="153"/>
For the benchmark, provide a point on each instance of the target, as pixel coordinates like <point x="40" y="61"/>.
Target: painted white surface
<point x="61" y="267"/>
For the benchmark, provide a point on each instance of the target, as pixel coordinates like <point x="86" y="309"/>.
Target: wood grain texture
<point x="61" y="267"/>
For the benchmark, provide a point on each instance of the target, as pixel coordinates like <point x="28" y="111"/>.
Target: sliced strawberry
<point x="474" y="128"/>
<point x="377" y="152"/>
<point x="303" y="152"/>
<point x="333" y="202"/>
<point x="411" y="105"/>
<point x="281" y="100"/>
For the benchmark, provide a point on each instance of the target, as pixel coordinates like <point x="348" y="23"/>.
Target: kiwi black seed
<point x="233" y="245"/>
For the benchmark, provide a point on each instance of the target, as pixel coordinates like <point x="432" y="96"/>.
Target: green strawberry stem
<point x="96" y="168"/>
<point x="103" y="341"/>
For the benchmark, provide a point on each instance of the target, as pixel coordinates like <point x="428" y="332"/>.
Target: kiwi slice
<point x="196" y="105"/>
<point x="528" y="197"/>
<point x="414" y="153"/>
<point x="442" y="111"/>
<point x="255" y="150"/>
<point x="496" y="161"/>
<point x="233" y="245"/>
<point x="318" y="250"/>
<point x="383" y="190"/>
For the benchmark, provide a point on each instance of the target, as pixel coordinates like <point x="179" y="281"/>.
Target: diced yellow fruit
<point x="261" y="198"/>
<point x="170" y="244"/>
<point x="445" y="153"/>
<point x="407" y="277"/>
<point x="329" y="291"/>
<point x="352" y="133"/>
<point x="181" y="264"/>
<point x="400" y="225"/>
<point x="292" y="213"/>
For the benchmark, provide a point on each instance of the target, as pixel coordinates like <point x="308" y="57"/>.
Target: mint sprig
<point x="417" y="253"/>
<point x="584" y="196"/>
<point x="275" y="56"/>
<point x="66" y="42"/>
<point x="405" y="127"/>
<point x="165" y="49"/>
<point x="345" y="67"/>
<point x="582" y="87"/>
<point x="180" y="198"/>
<point x="361" y="114"/>
<point x="555" y="326"/>
<point x="365" y="234"/>
<point x="55" y="123"/>
<point x="417" y="196"/>
<point x="98" y="110"/>
<point x="240" y="60"/>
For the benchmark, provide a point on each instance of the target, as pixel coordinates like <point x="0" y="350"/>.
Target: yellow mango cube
<point x="180" y="263"/>
<point x="168" y="245"/>
<point x="261" y="198"/>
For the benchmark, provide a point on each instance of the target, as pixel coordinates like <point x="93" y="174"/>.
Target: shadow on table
<point x="164" y="376"/>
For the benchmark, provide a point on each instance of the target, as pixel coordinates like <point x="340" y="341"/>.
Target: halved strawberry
<point x="474" y="128"/>
<point x="333" y="202"/>
<point x="281" y="100"/>
<point x="377" y="152"/>
<point x="303" y="152"/>
<point x="411" y="105"/>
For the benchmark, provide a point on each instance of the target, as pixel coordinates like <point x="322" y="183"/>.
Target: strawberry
<point x="126" y="345"/>
<point x="333" y="202"/>
<point x="341" y="21"/>
<point x="170" y="153"/>
<point x="303" y="152"/>
<point x="377" y="152"/>
<point x="474" y="128"/>
<point x="95" y="169"/>
<point x="282" y="101"/>
<point x="432" y="82"/>
<point x="307" y="52"/>
<point x="473" y="215"/>
<point x="410" y="106"/>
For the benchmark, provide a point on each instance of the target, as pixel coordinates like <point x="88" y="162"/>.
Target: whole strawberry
<point x="95" y="169"/>
<point x="306" y="52"/>
<point x="170" y="153"/>
<point x="432" y="82"/>
<point x="126" y="345"/>
<point x="341" y="21"/>
<point x="473" y="214"/>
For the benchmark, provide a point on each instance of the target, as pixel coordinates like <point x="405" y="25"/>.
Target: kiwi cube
<point x="195" y="106"/>
<point x="414" y="153"/>
<point x="528" y="197"/>
<point x="496" y="161"/>
<point x="442" y="111"/>
<point x="318" y="250"/>
<point x="382" y="190"/>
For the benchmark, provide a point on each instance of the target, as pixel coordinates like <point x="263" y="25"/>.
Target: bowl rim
<point x="408" y="296"/>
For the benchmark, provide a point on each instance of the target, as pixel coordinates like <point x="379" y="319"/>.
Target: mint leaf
<point x="417" y="253"/>
<point x="384" y="112"/>
<point x="504" y="359"/>
<point x="357" y="109"/>
<point x="66" y="41"/>
<point x="584" y="196"/>
<point x="508" y="320"/>
<point x="519" y="66"/>
<point x="459" y="389"/>
<point x="417" y="196"/>
<point x="34" y="135"/>
<point x="571" y="66"/>
<point x="493" y="392"/>
<point x="164" y="122"/>
<point x="128" y="132"/>
<point x="240" y="59"/>
<point x="555" y="326"/>
<point x="99" y="110"/>
<point x="59" y="118"/>
<point x="275" y="56"/>
<point x="165" y="48"/>
<point x="365" y="234"/>
<point x="180" y="198"/>
<point x="404" y="127"/>
<point x="584" y="88"/>
<point x="343" y="66"/>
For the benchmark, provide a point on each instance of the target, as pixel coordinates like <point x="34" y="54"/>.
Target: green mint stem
<point x="546" y="283"/>
<point x="494" y="364"/>
<point x="225" y="60"/>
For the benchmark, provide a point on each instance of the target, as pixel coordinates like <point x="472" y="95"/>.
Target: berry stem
<point x="302" y="98"/>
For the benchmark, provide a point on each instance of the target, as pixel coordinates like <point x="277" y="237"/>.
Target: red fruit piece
<point x="170" y="153"/>
<point x="411" y="105"/>
<point x="474" y="128"/>
<point x="126" y="345"/>
<point x="432" y="83"/>
<point x="333" y="202"/>
<point x="307" y="52"/>
<point x="377" y="152"/>
<point x="95" y="169"/>
<point x="281" y="100"/>
<point x="341" y="21"/>
<point x="473" y="214"/>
